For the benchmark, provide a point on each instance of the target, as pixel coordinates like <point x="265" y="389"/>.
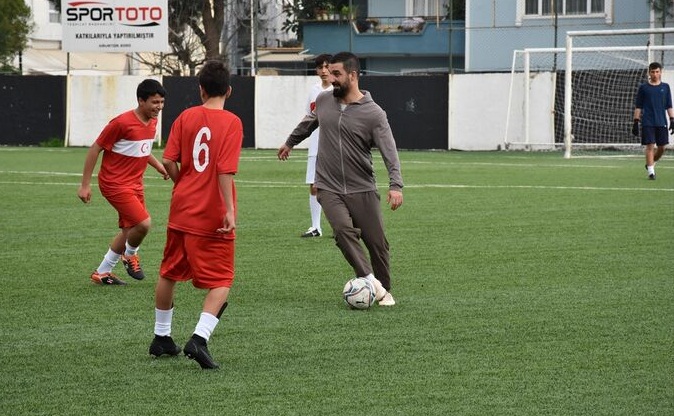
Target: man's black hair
<point x="349" y="60"/>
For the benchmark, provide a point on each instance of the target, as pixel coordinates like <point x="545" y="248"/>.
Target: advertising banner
<point x="115" y="26"/>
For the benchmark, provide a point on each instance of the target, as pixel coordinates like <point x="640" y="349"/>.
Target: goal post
<point x="629" y="58"/>
<point x="580" y="98"/>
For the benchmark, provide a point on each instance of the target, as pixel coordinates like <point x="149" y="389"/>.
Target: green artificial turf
<point x="526" y="284"/>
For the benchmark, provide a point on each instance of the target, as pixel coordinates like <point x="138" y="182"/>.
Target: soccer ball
<point x="359" y="293"/>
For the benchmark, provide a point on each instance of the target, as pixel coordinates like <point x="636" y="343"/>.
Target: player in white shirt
<point x="322" y="71"/>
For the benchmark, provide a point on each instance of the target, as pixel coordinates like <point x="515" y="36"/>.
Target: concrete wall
<point x="458" y="112"/>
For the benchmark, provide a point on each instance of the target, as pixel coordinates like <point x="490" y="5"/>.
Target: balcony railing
<point x="385" y="36"/>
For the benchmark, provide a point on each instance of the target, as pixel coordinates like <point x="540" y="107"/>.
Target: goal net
<point x="591" y="109"/>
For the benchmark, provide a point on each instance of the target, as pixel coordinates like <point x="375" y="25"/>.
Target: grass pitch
<point x="526" y="284"/>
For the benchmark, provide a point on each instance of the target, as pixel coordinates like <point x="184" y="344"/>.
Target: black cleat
<point x="132" y="266"/>
<point x="651" y="176"/>
<point x="163" y="345"/>
<point x="106" y="279"/>
<point x="196" y="349"/>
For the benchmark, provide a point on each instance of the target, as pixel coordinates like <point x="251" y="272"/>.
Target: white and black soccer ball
<point x="359" y="293"/>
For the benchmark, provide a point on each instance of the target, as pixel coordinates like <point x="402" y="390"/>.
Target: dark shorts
<point x="657" y="135"/>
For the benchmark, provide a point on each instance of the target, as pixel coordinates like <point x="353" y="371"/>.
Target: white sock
<point x="651" y="169"/>
<point x="206" y="325"/>
<point x="109" y="262"/>
<point x="162" y="322"/>
<point x="315" y="209"/>
<point x="130" y="250"/>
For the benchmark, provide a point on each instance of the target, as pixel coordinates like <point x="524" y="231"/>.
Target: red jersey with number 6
<point x="206" y="143"/>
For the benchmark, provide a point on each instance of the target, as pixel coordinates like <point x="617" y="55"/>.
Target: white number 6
<point x="201" y="145"/>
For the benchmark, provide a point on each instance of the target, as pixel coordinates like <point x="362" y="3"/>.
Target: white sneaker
<point x="312" y="232"/>
<point x="387" y="300"/>
<point x="379" y="291"/>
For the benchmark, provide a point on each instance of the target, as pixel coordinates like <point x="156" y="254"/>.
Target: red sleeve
<point x="111" y="133"/>
<point x="172" y="150"/>
<point x="228" y="163"/>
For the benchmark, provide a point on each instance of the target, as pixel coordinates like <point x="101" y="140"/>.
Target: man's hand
<point x="395" y="199"/>
<point x="671" y="125"/>
<point x="284" y="152"/>
<point x="635" y="127"/>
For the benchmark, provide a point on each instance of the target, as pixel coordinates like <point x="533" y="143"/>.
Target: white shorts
<point x="311" y="169"/>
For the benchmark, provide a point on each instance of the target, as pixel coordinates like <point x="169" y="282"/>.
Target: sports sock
<point x="130" y="250"/>
<point x="651" y="169"/>
<point x="315" y="209"/>
<point x="206" y="325"/>
<point x="109" y="262"/>
<point x="162" y="323"/>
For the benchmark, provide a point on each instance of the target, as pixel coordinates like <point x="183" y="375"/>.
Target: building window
<point x="564" y="7"/>
<point x="54" y="15"/>
<point x="426" y="7"/>
<point x="532" y="9"/>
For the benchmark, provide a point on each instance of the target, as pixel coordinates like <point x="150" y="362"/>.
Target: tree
<point x="663" y="9"/>
<point x="15" y="26"/>
<point x="298" y="10"/>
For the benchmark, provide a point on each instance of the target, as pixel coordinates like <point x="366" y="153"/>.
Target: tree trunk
<point x="213" y="15"/>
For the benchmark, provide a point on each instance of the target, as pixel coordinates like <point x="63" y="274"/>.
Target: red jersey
<point x="127" y="142"/>
<point x="206" y="143"/>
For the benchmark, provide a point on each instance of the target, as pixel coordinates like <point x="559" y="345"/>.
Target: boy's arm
<point x="152" y="161"/>
<point x="172" y="169"/>
<point x="84" y="193"/>
<point x="226" y="182"/>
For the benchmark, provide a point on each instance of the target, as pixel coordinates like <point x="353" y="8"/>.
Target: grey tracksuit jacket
<point x="346" y="137"/>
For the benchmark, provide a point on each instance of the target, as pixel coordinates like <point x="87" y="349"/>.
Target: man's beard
<point x="339" y="91"/>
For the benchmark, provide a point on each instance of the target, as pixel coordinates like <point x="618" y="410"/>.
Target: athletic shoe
<point x="196" y="350"/>
<point x="132" y="266"/>
<point x="651" y="176"/>
<point x="387" y="300"/>
<point x="164" y="345"/>
<point x="312" y="232"/>
<point x="379" y="291"/>
<point x="106" y="279"/>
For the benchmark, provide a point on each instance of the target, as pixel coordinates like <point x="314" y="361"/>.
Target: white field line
<point x="297" y="184"/>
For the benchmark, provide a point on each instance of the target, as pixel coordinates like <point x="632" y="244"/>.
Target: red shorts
<point x="130" y="206"/>
<point x="208" y="262"/>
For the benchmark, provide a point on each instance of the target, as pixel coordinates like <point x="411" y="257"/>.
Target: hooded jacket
<point x="346" y="138"/>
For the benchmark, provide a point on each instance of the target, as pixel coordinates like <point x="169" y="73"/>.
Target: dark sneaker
<point x="106" y="279"/>
<point x="651" y="176"/>
<point x="132" y="266"/>
<point x="164" y="345"/>
<point x="312" y="232"/>
<point x="196" y="349"/>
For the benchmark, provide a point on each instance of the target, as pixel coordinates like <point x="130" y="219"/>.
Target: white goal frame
<point x="544" y="82"/>
<point x="568" y="87"/>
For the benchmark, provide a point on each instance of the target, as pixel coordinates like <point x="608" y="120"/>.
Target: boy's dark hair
<point x="148" y="88"/>
<point x="321" y="59"/>
<point x="654" y="65"/>
<point x="349" y="60"/>
<point x="214" y="78"/>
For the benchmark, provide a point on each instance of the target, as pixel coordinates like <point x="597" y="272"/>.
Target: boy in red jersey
<point x="201" y="157"/>
<point x="126" y="143"/>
